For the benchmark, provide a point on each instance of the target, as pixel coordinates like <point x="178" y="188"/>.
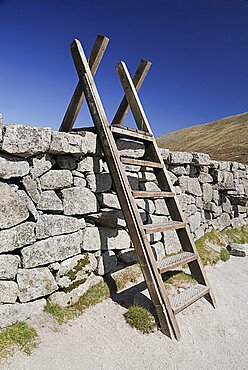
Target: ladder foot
<point x="210" y="298"/>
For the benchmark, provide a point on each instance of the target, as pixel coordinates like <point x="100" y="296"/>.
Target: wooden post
<point x="77" y="99"/>
<point x="138" y="79"/>
<point x="132" y="98"/>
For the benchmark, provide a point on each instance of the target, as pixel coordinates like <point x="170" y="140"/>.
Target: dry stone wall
<point x="61" y="226"/>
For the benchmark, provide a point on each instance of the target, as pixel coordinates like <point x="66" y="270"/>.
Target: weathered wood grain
<point x="138" y="80"/>
<point x="77" y="99"/>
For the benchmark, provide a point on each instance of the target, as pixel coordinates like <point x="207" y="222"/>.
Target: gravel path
<point x="100" y="338"/>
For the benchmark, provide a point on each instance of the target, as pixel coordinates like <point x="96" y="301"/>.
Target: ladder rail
<point x="138" y="79"/>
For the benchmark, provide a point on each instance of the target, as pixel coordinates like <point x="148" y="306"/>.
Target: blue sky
<point x="198" y="49"/>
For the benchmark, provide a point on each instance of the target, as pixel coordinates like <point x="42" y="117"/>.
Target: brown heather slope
<point x="225" y="139"/>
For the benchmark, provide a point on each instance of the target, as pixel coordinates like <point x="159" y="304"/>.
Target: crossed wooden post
<point x="77" y="99"/>
<point x="94" y="61"/>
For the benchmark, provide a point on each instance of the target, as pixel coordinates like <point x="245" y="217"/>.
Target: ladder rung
<point x="172" y="262"/>
<point x="188" y="296"/>
<point x="153" y="194"/>
<point x="169" y="225"/>
<point x="131" y="133"/>
<point x="141" y="162"/>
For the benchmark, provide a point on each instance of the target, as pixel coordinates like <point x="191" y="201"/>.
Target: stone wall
<point x="61" y="226"/>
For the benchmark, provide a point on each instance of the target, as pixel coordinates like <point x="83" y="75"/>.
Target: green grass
<point x="224" y="139"/>
<point x="179" y="279"/>
<point x="208" y="255"/>
<point x="61" y="314"/>
<point x="95" y="294"/>
<point x="238" y="235"/>
<point x="141" y="319"/>
<point x="19" y="335"/>
<point x="131" y="274"/>
<point x="224" y="255"/>
<point x="99" y="292"/>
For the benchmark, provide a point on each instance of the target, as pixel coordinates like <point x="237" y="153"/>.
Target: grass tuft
<point x="61" y="314"/>
<point x="208" y="255"/>
<point x="95" y="294"/>
<point x="238" y="235"/>
<point x="141" y="319"/>
<point x="179" y="279"/>
<point x="19" y="335"/>
<point x="224" y="255"/>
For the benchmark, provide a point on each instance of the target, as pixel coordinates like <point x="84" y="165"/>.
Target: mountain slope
<point x="225" y="139"/>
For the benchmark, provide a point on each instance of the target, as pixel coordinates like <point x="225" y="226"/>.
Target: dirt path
<point x="100" y="338"/>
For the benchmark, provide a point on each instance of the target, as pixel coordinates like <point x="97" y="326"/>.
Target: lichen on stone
<point x="74" y="285"/>
<point x="72" y="274"/>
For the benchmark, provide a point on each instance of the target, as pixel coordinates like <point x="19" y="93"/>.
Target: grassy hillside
<point x="225" y="139"/>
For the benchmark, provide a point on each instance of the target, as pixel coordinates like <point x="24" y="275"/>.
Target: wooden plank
<point x="152" y="151"/>
<point x="132" y="129"/>
<point x="77" y="99"/>
<point x="138" y="79"/>
<point x="188" y="297"/>
<point x="153" y="194"/>
<point x="172" y="262"/>
<point x="131" y="134"/>
<point x="170" y="225"/>
<point x="130" y="210"/>
<point x="141" y="162"/>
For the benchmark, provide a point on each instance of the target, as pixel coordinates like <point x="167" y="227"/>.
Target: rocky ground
<point x="101" y="339"/>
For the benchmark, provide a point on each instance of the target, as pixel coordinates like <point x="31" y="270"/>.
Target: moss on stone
<point x="72" y="274"/>
<point x="74" y="285"/>
<point x="208" y="255"/>
<point x="237" y="235"/>
<point x="130" y="274"/>
<point x="95" y="294"/>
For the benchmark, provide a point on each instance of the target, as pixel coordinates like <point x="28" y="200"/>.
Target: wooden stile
<point x="166" y="309"/>
<point x="130" y="211"/>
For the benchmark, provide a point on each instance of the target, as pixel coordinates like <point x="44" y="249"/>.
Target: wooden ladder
<point x="166" y="309"/>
